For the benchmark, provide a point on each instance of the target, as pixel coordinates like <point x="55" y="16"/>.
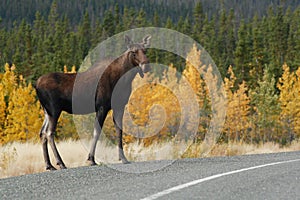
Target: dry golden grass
<point x="26" y="158"/>
<point x="233" y="149"/>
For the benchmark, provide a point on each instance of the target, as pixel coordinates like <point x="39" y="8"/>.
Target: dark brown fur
<point x="88" y="92"/>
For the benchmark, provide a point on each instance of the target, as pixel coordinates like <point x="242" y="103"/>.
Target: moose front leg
<point x="96" y="134"/>
<point x="118" y="122"/>
<point x="99" y="120"/>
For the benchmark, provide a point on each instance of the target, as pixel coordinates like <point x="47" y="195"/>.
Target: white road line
<point x="195" y="182"/>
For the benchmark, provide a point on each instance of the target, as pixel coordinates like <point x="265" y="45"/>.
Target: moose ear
<point x="128" y="41"/>
<point x="146" y="41"/>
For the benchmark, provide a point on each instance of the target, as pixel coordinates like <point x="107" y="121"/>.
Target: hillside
<point x="15" y="10"/>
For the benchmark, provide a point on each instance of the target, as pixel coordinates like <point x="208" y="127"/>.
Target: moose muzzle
<point x="143" y="68"/>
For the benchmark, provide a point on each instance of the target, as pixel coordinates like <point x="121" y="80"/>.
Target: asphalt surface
<point x="272" y="176"/>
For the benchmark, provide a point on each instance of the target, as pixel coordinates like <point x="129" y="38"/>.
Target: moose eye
<point x="133" y="53"/>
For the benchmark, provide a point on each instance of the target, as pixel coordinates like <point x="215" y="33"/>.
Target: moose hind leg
<point x="44" y="141"/>
<point x="50" y="137"/>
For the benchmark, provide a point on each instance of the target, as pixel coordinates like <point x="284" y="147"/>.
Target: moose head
<point x="137" y="54"/>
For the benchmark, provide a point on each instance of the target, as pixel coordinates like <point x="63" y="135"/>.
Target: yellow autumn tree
<point x="20" y="112"/>
<point x="229" y="89"/>
<point x="193" y="76"/>
<point x="8" y="80"/>
<point x="149" y="105"/>
<point x="296" y="101"/>
<point x="238" y="110"/>
<point x="289" y="86"/>
<point x="7" y="85"/>
<point x="23" y="114"/>
<point x="73" y="69"/>
<point x="2" y="110"/>
<point x="170" y="95"/>
<point x="193" y="73"/>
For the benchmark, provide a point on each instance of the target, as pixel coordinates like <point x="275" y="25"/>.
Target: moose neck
<point x="127" y="69"/>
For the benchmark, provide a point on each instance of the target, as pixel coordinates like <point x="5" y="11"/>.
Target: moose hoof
<point x="125" y="161"/>
<point x="91" y="163"/>
<point x="50" y="168"/>
<point x="62" y="167"/>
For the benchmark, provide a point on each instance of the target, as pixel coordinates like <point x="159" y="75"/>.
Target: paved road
<point x="268" y="176"/>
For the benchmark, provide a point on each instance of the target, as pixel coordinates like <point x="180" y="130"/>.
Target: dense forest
<point x="255" y="45"/>
<point x="14" y="10"/>
<point x="57" y="33"/>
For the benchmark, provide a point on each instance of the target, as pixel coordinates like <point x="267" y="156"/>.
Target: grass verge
<point x="26" y="158"/>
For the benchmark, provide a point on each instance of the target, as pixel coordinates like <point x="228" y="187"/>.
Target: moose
<point x="90" y="92"/>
